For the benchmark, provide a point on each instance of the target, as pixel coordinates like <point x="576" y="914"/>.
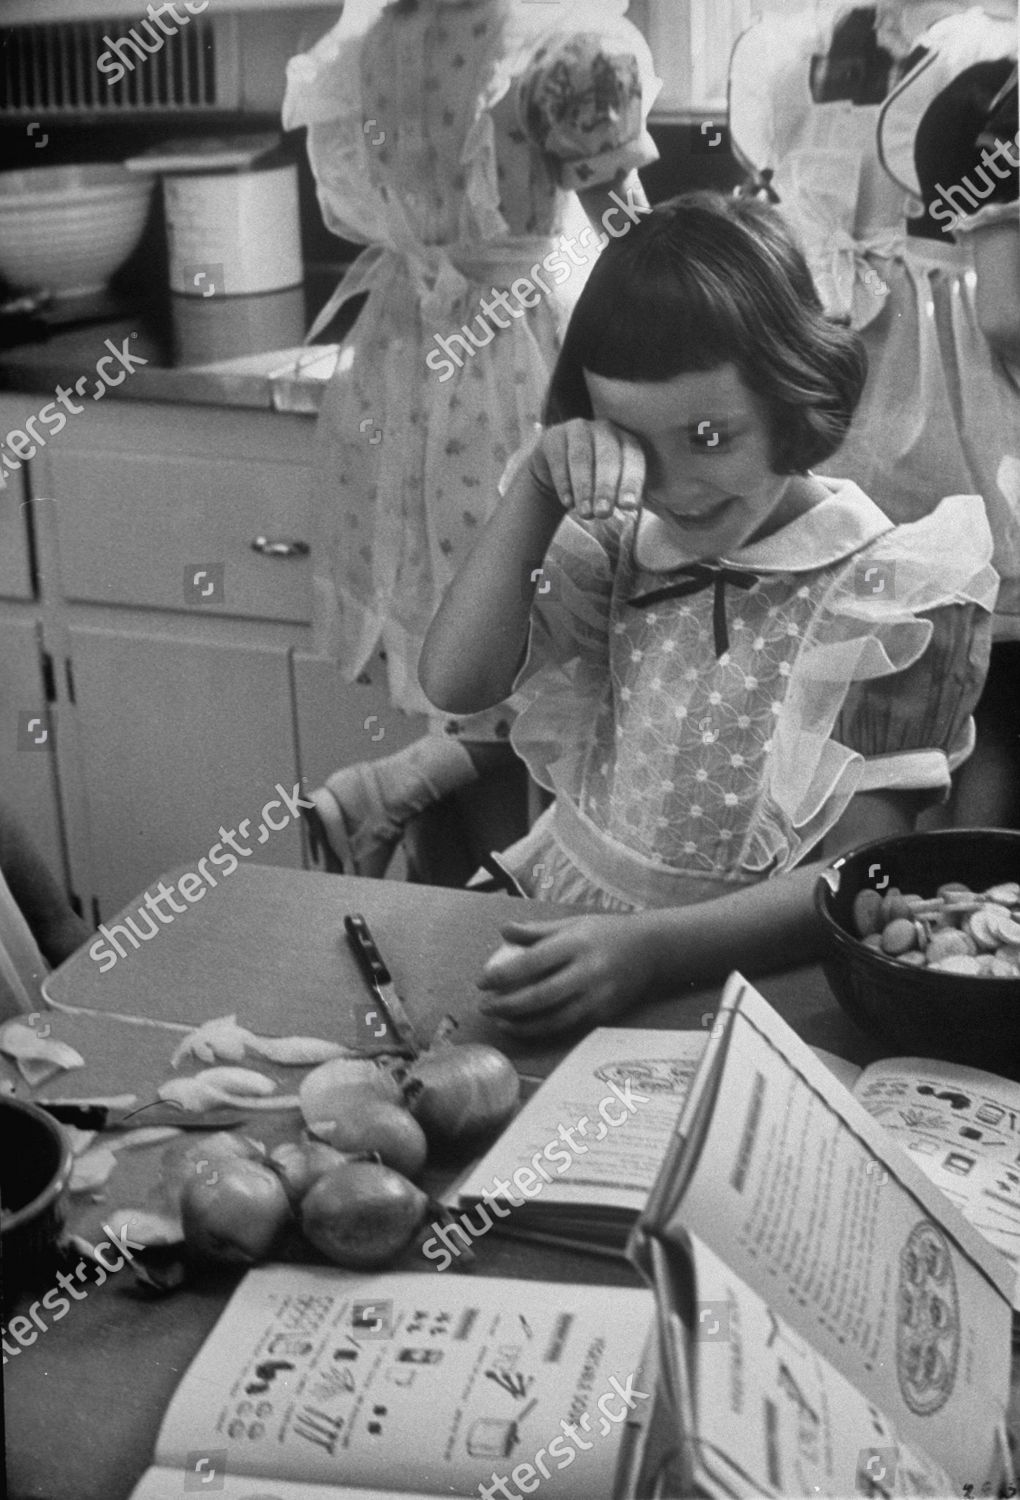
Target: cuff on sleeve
<point x="909" y="771"/>
<point x="595" y="171"/>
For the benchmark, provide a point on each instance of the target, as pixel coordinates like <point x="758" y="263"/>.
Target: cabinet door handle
<point x="267" y="548"/>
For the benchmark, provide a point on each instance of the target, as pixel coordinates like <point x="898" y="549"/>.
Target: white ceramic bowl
<point x="66" y="230"/>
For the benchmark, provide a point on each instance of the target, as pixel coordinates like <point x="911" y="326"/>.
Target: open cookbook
<point x="592" y="1139"/>
<point x="317" y="1382"/>
<point x="829" y="1323"/>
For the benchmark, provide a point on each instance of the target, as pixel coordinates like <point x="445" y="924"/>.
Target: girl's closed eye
<point x="710" y="435"/>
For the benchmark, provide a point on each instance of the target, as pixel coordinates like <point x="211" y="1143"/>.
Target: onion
<point x="460" y="1092"/>
<point x="362" y="1214"/>
<point x="340" y="1088"/>
<point x="385" y="1129"/>
<point x="190" y="1157"/>
<point x="235" y="1210"/>
<point x="300" y="1163"/>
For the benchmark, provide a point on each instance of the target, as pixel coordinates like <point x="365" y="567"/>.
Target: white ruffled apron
<point x="565" y="857"/>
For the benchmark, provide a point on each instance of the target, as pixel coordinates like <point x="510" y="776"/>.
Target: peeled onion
<point x="339" y="1088"/>
<point x="300" y="1163"/>
<point x="382" y="1128"/>
<point x="362" y="1214"/>
<point x="459" y="1092"/>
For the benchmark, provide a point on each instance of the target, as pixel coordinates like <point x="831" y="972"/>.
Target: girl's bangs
<point x="645" y="326"/>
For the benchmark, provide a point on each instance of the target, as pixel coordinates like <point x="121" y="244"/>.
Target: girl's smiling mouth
<point x="702" y="520"/>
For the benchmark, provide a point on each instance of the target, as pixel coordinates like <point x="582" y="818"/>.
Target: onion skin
<point x="458" y="1093"/>
<point x="387" y="1130"/>
<point x="362" y="1214"/>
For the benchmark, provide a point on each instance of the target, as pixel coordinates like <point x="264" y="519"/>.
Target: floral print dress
<point x="449" y="139"/>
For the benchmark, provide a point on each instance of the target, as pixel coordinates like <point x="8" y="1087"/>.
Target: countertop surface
<point x="285" y="380"/>
<point x="241" y="352"/>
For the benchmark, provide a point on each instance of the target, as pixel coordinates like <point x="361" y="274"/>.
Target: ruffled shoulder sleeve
<point x="915" y="727"/>
<point x="882" y="691"/>
<point x="769" y="97"/>
<point x="584" y="97"/>
<point x="566" y="669"/>
<point x="323" y="93"/>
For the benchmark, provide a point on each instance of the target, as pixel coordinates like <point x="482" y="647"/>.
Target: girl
<point x="730" y="659"/>
<point x="475" y="148"/>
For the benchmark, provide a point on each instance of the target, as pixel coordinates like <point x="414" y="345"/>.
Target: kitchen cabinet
<point x="28" y="776"/>
<point x="174" y="607"/>
<point x="179" y="740"/>
<point x="28" y="781"/>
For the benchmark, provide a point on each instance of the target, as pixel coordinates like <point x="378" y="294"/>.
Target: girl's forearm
<point x="474" y="646"/>
<point x="758" y="929"/>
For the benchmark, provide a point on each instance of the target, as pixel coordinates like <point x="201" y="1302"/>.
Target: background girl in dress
<point x="861" y="113"/>
<point x="470" y="146"/>
<point x="736" y="663"/>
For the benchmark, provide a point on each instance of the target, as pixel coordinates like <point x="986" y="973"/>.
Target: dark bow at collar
<point x="696" y="577"/>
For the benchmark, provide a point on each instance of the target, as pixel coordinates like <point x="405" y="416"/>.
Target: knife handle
<point x="367" y="954"/>
<point x="84" y="1116"/>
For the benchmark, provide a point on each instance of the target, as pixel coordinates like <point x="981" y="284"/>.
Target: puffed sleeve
<point x="584" y="98"/>
<point x="914" y="727"/>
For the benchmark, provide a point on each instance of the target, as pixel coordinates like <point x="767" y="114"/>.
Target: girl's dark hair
<point x="701" y="281"/>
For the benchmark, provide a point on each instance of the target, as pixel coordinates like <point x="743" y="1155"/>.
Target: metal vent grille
<point x="113" y="68"/>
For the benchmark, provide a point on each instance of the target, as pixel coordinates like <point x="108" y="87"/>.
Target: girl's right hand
<point x="594" y="467"/>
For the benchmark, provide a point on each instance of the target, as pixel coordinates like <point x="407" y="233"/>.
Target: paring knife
<point x="380" y="981"/>
<point x="105" y="1117"/>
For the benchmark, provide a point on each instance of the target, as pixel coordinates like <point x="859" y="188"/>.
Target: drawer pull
<point x="267" y="548"/>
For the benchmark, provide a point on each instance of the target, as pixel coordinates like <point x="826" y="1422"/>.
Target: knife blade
<point x="380" y="981"/>
<point x="106" y="1117"/>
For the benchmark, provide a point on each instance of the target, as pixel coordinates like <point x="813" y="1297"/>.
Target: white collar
<point x="838" y="526"/>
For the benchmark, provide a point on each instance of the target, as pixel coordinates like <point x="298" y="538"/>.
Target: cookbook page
<point x="420" y="1383"/>
<point x="818" y="1211"/>
<point x="773" y="1417"/>
<point x="597" y="1129"/>
<point x="962" y="1128"/>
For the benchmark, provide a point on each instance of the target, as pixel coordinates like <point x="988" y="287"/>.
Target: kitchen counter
<point x="287" y="380"/>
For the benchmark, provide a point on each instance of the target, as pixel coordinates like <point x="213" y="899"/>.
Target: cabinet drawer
<point x="210" y="515"/>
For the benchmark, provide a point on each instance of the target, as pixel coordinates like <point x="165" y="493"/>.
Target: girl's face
<point x="705" y="439"/>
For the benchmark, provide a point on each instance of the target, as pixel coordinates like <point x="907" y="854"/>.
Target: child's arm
<point x="589" y="969"/>
<point x="53" y="924"/>
<point x="475" y="645"/>
<point x="473" y="648"/>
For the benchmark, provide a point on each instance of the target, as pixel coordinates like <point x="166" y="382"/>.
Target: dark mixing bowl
<point x="34" y="1172"/>
<point x="921" y="1012"/>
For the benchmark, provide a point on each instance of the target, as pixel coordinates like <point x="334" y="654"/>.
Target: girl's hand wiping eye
<point x="594" y="467"/>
